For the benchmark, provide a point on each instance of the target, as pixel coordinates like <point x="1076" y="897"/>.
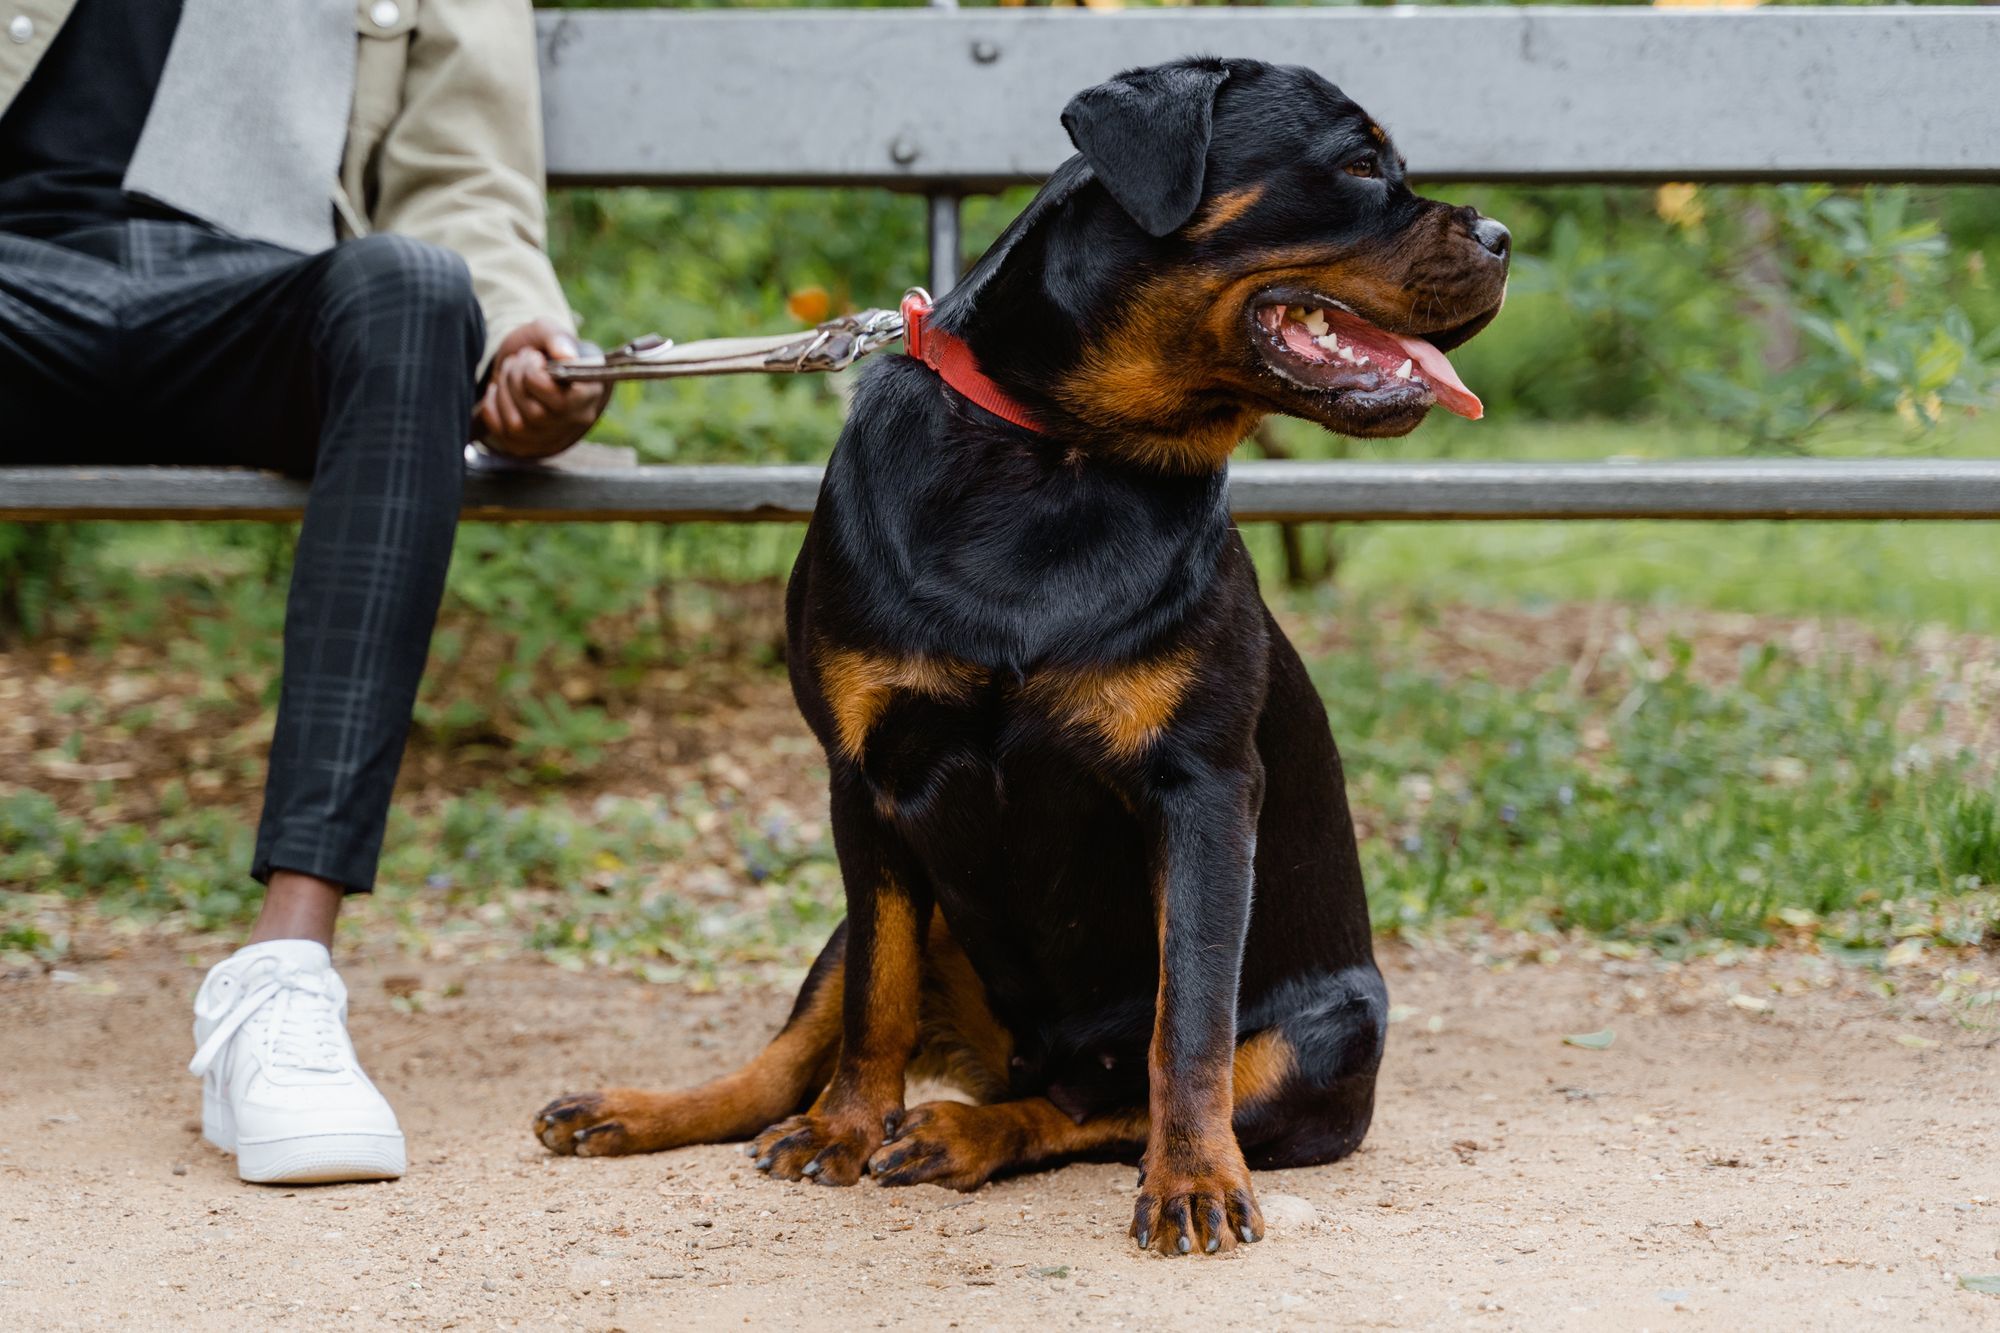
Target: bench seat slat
<point x="1704" y="489"/>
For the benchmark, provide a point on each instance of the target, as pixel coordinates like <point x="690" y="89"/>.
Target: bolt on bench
<point x="951" y="102"/>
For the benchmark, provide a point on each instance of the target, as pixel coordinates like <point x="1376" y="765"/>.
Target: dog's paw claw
<point x="600" y="1140"/>
<point x="559" y="1124"/>
<point x="1212" y="1209"/>
<point x="938" y="1143"/>
<point x="814" y="1147"/>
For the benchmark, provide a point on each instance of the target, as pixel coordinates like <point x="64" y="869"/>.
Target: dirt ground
<point x="1767" y="1143"/>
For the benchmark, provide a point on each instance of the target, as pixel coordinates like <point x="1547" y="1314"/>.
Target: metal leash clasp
<point x="838" y="343"/>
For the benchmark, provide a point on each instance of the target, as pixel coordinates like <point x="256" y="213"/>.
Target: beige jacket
<point x="444" y="141"/>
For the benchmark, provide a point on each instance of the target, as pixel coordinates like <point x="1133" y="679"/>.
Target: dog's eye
<point x="1364" y="167"/>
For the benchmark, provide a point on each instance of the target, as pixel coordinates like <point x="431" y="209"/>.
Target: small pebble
<point x="489" y="1285"/>
<point x="1287" y="1213"/>
<point x="180" y="1168"/>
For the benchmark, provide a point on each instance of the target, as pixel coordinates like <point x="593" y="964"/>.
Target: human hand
<point x="525" y="412"/>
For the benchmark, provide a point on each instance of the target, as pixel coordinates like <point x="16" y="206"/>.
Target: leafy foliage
<point x="1762" y="310"/>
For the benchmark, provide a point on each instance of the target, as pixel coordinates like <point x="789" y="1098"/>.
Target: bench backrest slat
<point x="969" y="99"/>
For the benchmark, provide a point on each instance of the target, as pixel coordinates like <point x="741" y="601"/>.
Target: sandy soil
<point x="1825" y="1160"/>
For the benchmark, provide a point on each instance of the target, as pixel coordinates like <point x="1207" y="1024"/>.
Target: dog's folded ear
<point x="1145" y="135"/>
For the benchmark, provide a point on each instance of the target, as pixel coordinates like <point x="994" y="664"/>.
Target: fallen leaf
<point x="1915" y="1043"/>
<point x="66" y="771"/>
<point x="809" y="305"/>
<point x="1909" y="951"/>
<point x="1986" y="1284"/>
<point x="1591" y="1041"/>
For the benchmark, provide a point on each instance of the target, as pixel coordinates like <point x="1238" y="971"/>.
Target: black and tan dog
<point x="1099" y="867"/>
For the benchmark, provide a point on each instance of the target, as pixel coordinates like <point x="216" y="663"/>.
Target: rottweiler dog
<point x="1099" y="866"/>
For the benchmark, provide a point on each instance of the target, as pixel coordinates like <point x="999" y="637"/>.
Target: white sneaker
<point x="280" y="1085"/>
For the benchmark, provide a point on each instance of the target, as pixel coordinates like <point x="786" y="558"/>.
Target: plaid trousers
<point x="166" y="342"/>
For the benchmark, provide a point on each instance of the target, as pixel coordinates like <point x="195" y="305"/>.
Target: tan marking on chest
<point x="858" y="686"/>
<point x="1127" y="705"/>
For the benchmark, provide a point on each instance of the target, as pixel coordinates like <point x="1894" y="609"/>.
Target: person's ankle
<point x="297" y="907"/>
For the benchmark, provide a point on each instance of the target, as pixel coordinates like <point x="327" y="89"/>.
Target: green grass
<point x="1662" y="809"/>
<point x="673" y="888"/>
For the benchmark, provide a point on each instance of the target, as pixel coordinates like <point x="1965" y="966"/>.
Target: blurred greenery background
<point x="1655" y="322"/>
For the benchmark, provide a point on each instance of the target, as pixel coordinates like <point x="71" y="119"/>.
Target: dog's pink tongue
<point x="1452" y="395"/>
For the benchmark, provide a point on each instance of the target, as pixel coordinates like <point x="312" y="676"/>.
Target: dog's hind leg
<point x="1310" y="1094"/>
<point x="783" y="1078"/>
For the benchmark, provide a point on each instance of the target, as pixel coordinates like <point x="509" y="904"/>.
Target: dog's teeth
<point x="1347" y="355"/>
<point x="1403" y="371"/>
<point x="1331" y="342"/>
<point x="1316" y="322"/>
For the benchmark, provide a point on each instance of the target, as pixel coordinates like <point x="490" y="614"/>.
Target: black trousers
<point x="165" y="342"/>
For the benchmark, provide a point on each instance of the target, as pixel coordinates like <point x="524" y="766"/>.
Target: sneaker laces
<point x="304" y="1031"/>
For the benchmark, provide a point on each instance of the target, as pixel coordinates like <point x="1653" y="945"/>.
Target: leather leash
<point x="834" y="345"/>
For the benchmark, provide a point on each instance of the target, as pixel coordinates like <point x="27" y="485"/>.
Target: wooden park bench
<point x="948" y="102"/>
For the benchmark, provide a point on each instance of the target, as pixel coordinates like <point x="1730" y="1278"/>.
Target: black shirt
<point x="69" y="135"/>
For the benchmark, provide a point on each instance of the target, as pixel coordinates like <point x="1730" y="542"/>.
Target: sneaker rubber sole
<point x="311" y="1159"/>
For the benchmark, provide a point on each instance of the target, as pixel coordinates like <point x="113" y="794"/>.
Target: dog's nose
<point x="1493" y="236"/>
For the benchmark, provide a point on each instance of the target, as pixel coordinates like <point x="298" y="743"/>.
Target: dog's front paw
<point x="832" y="1150"/>
<point x="1209" y="1208"/>
<point x="938" y="1143"/>
<point x="584" y="1124"/>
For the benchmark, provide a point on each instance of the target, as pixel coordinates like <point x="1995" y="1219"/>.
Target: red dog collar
<point x="955" y="363"/>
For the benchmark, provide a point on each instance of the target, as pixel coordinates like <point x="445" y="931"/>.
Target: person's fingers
<point x="510" y="415"/>
<point x="541" y="386"/>
<point x="516" y="376"/>
<point x="489" y="407"/>
<point x="584" y="403"/>
<point x="542" y="335"/>
<point x="580" y="403"/>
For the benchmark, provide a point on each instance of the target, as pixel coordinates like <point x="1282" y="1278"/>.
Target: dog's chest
<point x="1018" y="795"/>
<point x="911" y="712"/>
